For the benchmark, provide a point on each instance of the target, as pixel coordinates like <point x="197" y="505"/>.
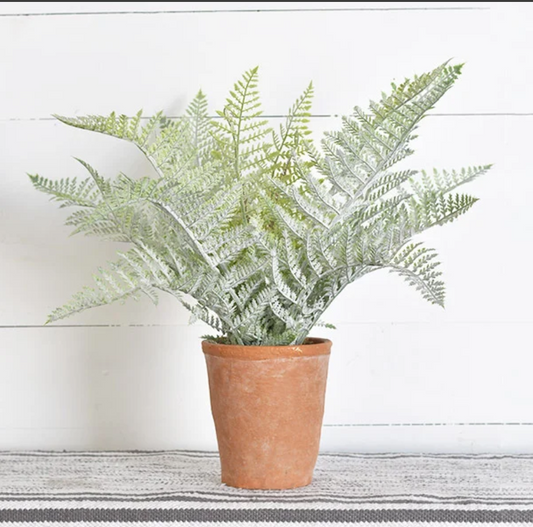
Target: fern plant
<point x="257" y="231"/>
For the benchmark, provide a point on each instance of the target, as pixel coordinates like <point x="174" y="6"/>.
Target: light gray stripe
<point x="412" y="455"/>
<point x="212" y="497"/>
<point x="106" y="454"/>
<point x="262" y="515"/>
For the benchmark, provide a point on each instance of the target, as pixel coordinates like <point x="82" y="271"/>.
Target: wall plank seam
<point x="233" y="11"/>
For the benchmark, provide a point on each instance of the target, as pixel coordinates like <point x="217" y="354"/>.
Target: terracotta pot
<point x="268" y="404"/>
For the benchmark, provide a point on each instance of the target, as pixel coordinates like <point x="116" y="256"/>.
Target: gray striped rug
<point x="183" y="488"/>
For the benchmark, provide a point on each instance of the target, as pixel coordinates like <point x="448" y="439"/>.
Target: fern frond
<point x="68" y="191"/>
<point x="436" y="209"/>
<point x="201" y="138"/>
<point x="418" y="267"/>
<point x="121" y="126"/>
<point x="130" y="276"/>
<point x="444" y="181"/>
<point x="367" y="145"/>
<point x="240" y="130"/>
<point x="292" y="138"/>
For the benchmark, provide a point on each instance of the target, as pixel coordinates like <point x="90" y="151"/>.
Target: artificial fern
<point x="257" y="231"/>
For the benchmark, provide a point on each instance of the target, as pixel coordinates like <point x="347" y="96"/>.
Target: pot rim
<point x="311" y="347"/>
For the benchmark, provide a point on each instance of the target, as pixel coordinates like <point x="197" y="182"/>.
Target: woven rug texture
<point x="183" y="488"/>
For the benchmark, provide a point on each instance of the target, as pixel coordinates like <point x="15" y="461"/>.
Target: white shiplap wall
<point x="405" y="376"/>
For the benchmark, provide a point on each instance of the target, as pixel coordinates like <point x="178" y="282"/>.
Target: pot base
<point x="267" y="485"/>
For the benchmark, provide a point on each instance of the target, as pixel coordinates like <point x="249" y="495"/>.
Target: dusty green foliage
<point x="257" y="231"/>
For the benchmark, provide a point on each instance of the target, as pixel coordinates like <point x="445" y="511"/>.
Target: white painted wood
<point x="103" y="388"/>
<point x="142" y="388"/>
<point x="397" y="360"/>
<point x="456" y="439"/>
<point x="57" y="65"/>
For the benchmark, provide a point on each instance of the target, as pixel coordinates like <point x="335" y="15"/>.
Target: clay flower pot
<point x="268" y="404"/>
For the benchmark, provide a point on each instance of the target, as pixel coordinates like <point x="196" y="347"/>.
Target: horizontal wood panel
<point x="81" y="65"/>
<point x="404" y="375"/>
<point x="147" y="387"/>
<point x="103" y="388"/>
<point x="504" y="439"/>
<point x="470" y="439"/>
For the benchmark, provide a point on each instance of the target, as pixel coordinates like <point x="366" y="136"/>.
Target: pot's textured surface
<point x="268" y="404"/>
